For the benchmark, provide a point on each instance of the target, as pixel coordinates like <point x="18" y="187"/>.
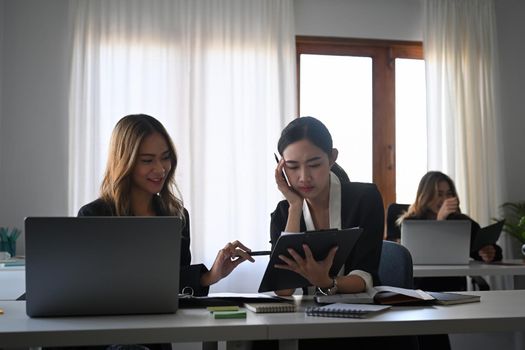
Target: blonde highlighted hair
<point x="126" y="138"/>
<point x="426" y="192"/>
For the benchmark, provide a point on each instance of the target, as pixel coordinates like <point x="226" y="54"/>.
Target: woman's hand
<point x="449" y="206"/>
<point x="316" y="272"/>
<point x="226" y="261"/>
<point x="282" y="184"/>
<point x="487" y="253"/>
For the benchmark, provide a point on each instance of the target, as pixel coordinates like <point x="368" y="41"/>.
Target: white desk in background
<point x="498" y="311"/>
<point x="515" y="268"/>
<point x="12" y="282"/>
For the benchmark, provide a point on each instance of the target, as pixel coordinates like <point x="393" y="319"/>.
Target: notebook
<point x="270" y="307"/>
<point x="102" y="265"/>
<point x="437" y="242"/>
<point x="320" y="243"/>
<point x="487" y="235"/>
<point x="345" y="310"/>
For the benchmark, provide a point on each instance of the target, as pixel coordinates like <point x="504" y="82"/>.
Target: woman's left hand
<point x="316" y="272"/>
<point x="228" y="258"/>
<point x="487" y="253"/>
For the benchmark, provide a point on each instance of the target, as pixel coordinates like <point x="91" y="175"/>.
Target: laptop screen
<point x="439" y="242"/>
<point x="102" y="265"/>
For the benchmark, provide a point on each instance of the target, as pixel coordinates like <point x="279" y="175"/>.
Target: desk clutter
<point x="386" y="295"/>
<point x="225" y="312"/>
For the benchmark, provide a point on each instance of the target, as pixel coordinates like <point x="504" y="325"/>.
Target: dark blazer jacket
<point x="361" y="205"/>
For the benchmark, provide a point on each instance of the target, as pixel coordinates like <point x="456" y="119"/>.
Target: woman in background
<point x="140" y="180"/>
<point x="437" y="199"/>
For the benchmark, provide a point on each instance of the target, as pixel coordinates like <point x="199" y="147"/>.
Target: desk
<point x="515" y="268"/>
<point x="189" y="325"/>
<point x="497" y="311"/>
<point x="12" y="282"/>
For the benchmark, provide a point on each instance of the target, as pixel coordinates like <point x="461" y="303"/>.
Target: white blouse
<point x="335" y="222"/>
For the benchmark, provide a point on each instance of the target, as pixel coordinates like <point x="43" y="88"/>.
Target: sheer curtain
<point x="220" y="75"/>
<point x="462" y="76"/>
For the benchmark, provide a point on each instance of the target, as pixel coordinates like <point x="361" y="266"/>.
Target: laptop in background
<point x="437" y="242"/>
<point x="102" y="265"/>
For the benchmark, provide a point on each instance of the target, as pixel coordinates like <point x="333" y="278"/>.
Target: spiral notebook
<point x="270" y="307"/>
<point x="345" y="310"/>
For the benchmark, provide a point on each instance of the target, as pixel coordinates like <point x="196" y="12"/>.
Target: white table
<point x="497" y="311"/>
<point x="12" y="282"/>
<point x="515" y="268"/>
<point x="189" y="325"/>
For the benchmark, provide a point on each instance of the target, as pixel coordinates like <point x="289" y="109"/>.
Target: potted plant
<point x="8" y="240"/>
<point x="514" y="215"/>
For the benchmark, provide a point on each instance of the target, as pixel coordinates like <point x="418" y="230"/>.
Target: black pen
<point x="282" y="171"/>
<point x="259" y="252"/>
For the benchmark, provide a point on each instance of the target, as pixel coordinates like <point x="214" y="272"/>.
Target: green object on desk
<point x="222" y="308"/>
<point x="229" y="314"/>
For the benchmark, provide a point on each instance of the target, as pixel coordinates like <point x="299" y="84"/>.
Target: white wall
<point x="33" y="134"/>
<point x="511" y="30"/>
<point x="33" y="105"/>
<point x="372" y="19"/>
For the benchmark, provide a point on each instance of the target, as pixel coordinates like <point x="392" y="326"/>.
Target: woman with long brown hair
<point x="140" y="181"/>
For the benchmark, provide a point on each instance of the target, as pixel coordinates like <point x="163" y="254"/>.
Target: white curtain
<point x="220" y="75"/>
<point x="462" y="107"/>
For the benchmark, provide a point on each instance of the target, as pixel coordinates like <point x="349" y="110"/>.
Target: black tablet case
<point x="488" y="235"/>
<point x="320" y="243"/>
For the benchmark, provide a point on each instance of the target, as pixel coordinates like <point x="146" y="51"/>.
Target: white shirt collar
<point x="334" y="206"/>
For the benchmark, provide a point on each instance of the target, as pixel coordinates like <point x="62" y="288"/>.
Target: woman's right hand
<point x="449" y="206"/>
<point x="288" y="192"/>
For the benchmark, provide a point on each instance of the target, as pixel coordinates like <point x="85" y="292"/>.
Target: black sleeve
<point x="190" y="275"/>
<point x="278" y="221"/>
<point x="367" y="251"/>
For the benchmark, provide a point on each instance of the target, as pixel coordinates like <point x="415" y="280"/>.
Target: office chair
<point x="393" y="212"/>
<point x="395" y="266"/>
<point x="340" y="173"/>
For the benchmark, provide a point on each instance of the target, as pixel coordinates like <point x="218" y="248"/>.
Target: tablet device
<point x="320" y="243"/>
<point x="102" y="265"/>
<point x="487" y="235"/>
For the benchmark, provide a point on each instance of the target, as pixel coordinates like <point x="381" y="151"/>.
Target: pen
<point x="282" y="172"/>
<point x="259" y="252"/>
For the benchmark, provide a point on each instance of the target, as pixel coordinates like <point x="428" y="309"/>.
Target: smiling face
<point x="308" y="169"/>
<point x="443" y="192"/>
<point x="152" y="165"/>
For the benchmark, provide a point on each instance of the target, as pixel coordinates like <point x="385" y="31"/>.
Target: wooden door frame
<point x="383" y="54"/>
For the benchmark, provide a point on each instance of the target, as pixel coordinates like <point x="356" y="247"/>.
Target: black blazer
<point x="361" y="205"/>
<point x="189" y="274"/>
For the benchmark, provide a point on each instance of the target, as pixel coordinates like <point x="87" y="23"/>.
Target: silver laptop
<point x="102" y="265"/>
<point x="433" y="242"/>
